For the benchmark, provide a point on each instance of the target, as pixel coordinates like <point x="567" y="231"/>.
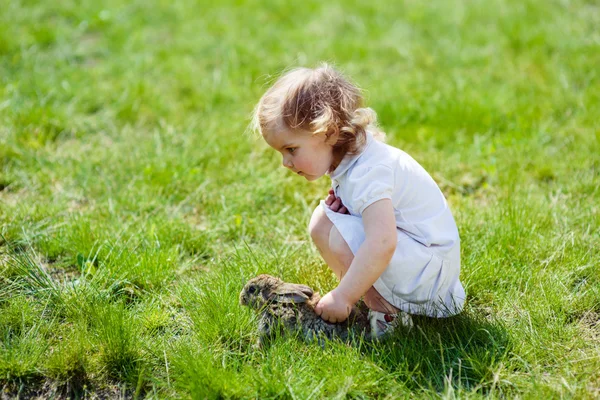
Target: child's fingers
<point x="329" y="319"/>
<point x="318" y="309"/>
<point x="322" y="312"/>
<point x="335" y="203"/>
<point x="335" y="206"/>
<point x="330" y="199"/>
<point x="324" y="315"/>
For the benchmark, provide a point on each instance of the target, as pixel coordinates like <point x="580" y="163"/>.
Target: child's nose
<point x="286" y="162"/>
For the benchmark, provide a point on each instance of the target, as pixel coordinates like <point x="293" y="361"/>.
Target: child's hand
<point x="333" y="307"/>
<point x="335" y="203"/>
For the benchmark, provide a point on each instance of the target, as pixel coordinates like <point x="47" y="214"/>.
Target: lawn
<point x="134" y="204"/>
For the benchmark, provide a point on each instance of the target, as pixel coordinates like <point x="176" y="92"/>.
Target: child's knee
<point x="319" y="227"/>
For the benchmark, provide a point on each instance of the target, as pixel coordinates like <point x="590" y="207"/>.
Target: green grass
<point x="133" y="206"/>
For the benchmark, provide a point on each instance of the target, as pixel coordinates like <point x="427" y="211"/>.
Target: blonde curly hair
<point x="319" y="100"/>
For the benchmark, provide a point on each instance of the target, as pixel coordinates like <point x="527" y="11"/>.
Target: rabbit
<point x="290" y="306"/>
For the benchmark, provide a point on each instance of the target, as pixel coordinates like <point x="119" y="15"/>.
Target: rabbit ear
<point x="291" y="293"/>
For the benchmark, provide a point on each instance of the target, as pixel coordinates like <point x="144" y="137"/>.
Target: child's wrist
<point x="345" y="295"/>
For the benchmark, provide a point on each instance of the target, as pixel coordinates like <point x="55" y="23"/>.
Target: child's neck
<point x="338" y="156"/>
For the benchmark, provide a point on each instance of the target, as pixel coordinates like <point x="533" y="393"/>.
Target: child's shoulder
<point x="380" y="153"/>
<point x="375" y="161"/>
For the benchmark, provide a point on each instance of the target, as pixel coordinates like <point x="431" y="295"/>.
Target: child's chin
<point x="311" y="178"/>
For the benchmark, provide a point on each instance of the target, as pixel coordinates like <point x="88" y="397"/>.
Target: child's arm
<point x="368" y="264"/>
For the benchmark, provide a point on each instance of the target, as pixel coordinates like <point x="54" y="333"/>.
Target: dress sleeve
<point x="371" y="184"/>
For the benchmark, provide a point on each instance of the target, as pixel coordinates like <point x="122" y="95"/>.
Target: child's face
<point x="308" y="155"/>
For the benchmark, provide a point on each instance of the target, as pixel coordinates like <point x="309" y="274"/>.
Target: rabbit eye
<point x="252" y="289"/>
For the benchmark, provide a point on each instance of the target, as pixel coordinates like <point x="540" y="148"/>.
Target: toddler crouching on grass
<point x="385" y="229"/>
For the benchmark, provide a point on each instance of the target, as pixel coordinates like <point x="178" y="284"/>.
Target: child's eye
<point x="292" y="150"/>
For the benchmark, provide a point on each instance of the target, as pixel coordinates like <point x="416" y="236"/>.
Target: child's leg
<point x="320" y="229"/>
<point x="338" y="256"/>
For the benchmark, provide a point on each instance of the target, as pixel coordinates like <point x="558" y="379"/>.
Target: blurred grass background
<point x="133" y="206"/>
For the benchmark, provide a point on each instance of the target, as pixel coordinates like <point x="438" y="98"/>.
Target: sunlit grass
<point x="133" y="206"/>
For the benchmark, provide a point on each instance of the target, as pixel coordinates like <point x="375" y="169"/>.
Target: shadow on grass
<point x="459" y="352"/>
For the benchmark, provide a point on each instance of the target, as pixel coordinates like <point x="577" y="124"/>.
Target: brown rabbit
<point x="290" y="306"/>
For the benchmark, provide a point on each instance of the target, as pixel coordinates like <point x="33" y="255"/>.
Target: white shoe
<point x="384" y="324"/>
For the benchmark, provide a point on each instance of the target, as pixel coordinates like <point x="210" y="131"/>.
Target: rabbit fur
<point x="291" y="307"/>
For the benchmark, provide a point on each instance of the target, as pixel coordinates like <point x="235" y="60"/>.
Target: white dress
<point x="423" y="275"/>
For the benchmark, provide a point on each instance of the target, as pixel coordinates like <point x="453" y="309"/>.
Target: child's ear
<point x="331" y="137"/>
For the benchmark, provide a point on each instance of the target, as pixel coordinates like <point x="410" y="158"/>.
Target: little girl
<point x="385" y="229"/>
